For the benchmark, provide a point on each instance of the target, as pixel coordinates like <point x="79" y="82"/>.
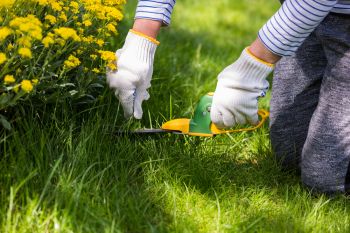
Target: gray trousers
<point x="310" y="108"/>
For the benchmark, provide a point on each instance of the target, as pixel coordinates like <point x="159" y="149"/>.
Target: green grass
<point x="64" y="171"/>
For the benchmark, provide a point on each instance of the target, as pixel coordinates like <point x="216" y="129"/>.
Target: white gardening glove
<point x="239" y="86"/>
<point x="134" y="72"/>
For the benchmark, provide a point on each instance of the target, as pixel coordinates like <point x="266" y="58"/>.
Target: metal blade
<point x="145" y="132"/>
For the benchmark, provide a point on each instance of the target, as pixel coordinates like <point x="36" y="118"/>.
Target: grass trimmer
<point x="200" y="124"/>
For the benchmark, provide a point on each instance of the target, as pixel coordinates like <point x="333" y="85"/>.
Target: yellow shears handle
<point x="263" y="115"/>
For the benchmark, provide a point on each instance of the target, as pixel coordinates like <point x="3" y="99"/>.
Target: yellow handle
<point x="262" y="113"/>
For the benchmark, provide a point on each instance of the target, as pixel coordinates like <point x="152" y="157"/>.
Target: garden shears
<point x="200" y="125"/>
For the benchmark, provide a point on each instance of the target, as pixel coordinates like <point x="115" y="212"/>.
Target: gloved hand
<point x="134" y="72"/>
<point x="239" y="86"/>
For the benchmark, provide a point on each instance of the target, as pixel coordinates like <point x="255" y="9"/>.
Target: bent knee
<point x="324" y="180"/>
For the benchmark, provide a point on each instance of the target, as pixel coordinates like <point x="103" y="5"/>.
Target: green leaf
<point x="4" y="122"/>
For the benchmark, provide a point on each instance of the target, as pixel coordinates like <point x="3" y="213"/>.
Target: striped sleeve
<point x="155" y="9"/>
<point x="342" y="7"/>
<point x="292" y="23"/>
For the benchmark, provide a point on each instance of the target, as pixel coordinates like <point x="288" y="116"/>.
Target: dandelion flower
<point x="87" y="23"/>
<point x="9" y="79"/>
<point x="25" y="53"/>
<point x="111" y="27"/>
<point x="6" y="3"/>
<point x="100" y="42"/>
<point x="52" y="19"/>
<point x="30" y="26"/>
<point x="72" y="62"/>
<point x="63" y="16"/>
<point x="74" y="5"/>
<point x="111" y="66"/>
<point x="26" y="86"/>
<point x="3" y="58"/>
<point x="67" y="33"/>
<point x="47" y="41"/>
<point x="107" y="56"/>
<point x="25" y="41"/>
<point x="4" y="32"/>
<point x="56" y="6"/>
<point x="43" y="2"/>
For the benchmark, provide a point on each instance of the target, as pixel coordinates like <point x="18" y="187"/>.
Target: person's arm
<point x="131" y="80"/>
<point x="259" y="50"/>
<point x="158" y="10"/>
<point x="241" y="84"/>
<point x="147" y="27"/>
<point x="292" y="24"/>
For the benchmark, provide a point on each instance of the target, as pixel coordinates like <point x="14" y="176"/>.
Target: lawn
<point x="65" y="170"/>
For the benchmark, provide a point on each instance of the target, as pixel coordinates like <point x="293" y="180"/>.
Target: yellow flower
<point x="4" y="32"/>
<point x="6" y="3"/>
<point x="88" y="39"/>
<point x="63" y="16"/>
<point x="60" y="41"/>
<point x="113" y="13"/>
<point x="3" y="58"/>
<point x="67" y="33"/>
<point x="25" y="53"/>
<point x="30" y="26"/>
<point x="47" y="41"/>
<point x="100" y="42"/>
<point x="56" y="6"/>
<point x="26" y="86"/>
<point x="52" y="19"/>
<point x="74" y="7"/>
<point x="71" y="62"/>
<point x="95" y="70"/>
<point x="107" y="56"/>
<point x="87" y="23"/>
<point x="25" y="41"/>
<point x="35" y="81"/>
<point x="93" y="56"/>
<point x="9" y="79"/>
<point x="42" y="2"/>
<point x="111" y="27"/>
<point x="112" y="66"/>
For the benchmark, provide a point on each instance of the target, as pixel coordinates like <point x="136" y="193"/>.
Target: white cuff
<point x="248" y="72"/>
<point x="143" y="48"/>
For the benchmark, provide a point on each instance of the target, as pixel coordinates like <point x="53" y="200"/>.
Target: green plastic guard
<point x="201" y="121"/>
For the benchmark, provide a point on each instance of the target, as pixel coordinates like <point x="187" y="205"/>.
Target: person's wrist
<point x="258" y="50"/>
<point x="258" y="59"/>
<point x="151" y="39"/>
<point x="147" y="27"/>
<point x="139" y="48"/>
<point x="250" y="68"/>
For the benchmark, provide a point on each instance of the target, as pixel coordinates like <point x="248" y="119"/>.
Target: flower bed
<point x="54" y="50"/>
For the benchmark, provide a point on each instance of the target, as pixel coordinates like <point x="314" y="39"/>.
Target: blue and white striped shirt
<point x="282" y="34"/>
<point x="294" y="21"/>
<point x="155" y="9"/>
